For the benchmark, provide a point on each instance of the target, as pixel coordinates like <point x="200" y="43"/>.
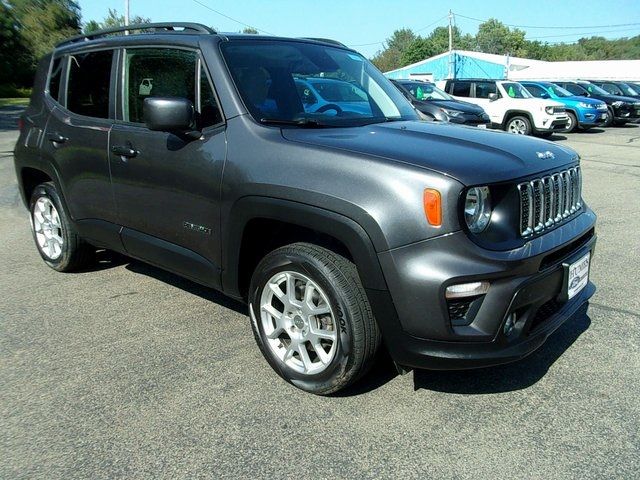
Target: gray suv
<point x="344" y="229"/>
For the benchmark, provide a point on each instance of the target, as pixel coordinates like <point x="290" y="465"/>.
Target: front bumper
<point x="529" y="282"/>
<point x="470" y="119"/>
<point x="592" y="118"/>
<point x="552" y="124"/>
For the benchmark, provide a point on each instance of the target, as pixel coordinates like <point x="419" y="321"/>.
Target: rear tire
<point x="609" y="121"/>
<point x="55" y="237"/>
<point x="311" y="318"/>
<point x="519" y="125"/>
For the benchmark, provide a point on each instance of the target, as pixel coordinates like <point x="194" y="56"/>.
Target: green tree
<point x="435" y="43"/>
<point x="250" y="30"/>
<point x="390" y="57"/>
<point x="495" y="37"/>
<point x="112" y="20"/>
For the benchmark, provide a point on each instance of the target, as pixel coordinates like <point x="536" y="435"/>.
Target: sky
<point x="364" y="25"/>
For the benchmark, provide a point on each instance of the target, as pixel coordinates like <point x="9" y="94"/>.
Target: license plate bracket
<point x="576" y="276"/>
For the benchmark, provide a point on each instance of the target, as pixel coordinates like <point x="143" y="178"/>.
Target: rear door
<point x="77" y="134"/>
<point x="167" y="193"/>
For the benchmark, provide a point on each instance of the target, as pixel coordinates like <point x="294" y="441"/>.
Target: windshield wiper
<point x="298" y="122"/>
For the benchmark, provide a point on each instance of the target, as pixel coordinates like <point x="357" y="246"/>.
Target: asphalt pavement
<point x="126" y="371"/>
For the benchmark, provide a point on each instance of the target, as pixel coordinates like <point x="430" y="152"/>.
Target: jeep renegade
<point x="343" y="229"/>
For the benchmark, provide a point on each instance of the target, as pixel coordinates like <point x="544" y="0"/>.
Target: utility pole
<point x="126" y="16"/>
<point x="450" y="45"/>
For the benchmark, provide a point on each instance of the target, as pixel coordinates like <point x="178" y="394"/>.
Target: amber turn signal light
<point x="432" y="207"/>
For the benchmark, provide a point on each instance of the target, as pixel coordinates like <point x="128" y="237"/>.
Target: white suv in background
<point x="510" y="106"/>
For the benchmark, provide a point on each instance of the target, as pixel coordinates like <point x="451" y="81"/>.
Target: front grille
<point x="549" y="200"/>
<point x="559" y="109"/>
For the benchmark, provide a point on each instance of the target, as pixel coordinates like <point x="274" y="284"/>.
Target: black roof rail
<point x="325" y="40"/>
<point x="165" y="27"/>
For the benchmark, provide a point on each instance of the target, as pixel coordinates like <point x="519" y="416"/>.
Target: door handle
<point x="124" y="151"/>
<point x="55" y="137"/>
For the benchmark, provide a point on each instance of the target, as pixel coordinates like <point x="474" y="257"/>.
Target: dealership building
<point x="468" y="64"/>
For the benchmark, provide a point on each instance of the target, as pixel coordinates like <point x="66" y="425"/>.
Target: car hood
<point x="471" y="155"/>
<point x="587" y="100"/>
<point x="465" y="107"/>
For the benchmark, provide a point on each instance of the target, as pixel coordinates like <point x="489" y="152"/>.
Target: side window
<point x="461" y="89"/>
<point x="88" y="84"/>
<point x="576" y="90"/>
<point x="611" y="88"/>
<point x="55" y="78"/>
<point x="535" y="90"/>
<point x="157" y="72"/>
<point x="483" y="89"/>
<point x="209" y="109"/>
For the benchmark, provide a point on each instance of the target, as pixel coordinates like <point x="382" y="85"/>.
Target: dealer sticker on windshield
<point x="578" y="276"/>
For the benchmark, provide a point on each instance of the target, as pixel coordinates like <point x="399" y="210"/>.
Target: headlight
<point x="618" y="103"/>
<point x="549" y="110"/>
<point x="477" y="209"/>
<point x="451" y="113"/>
<point x="584" y="105"/>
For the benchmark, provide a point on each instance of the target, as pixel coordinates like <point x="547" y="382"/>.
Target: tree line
<point x="404" y="47"/>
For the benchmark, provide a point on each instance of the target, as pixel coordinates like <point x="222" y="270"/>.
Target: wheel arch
<point x="260" y="224"/>
<point x="509" y="114"/>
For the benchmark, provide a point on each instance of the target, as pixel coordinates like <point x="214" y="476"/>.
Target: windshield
<point x="301" y="83"/>
<point x="515" y="90"/>
<point x="591" y="88"/>
<point x="558" y="91"/>
<point x="425" y="91"/>
<point x="629" y="90"/>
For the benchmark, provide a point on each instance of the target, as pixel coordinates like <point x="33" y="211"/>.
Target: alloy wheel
<point x="298" y="322"/>
<point x="518" y="127"/>
<point x="48" y="228"/>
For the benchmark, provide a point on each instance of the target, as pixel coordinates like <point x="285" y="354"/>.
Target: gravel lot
<point x="127" y="371"/>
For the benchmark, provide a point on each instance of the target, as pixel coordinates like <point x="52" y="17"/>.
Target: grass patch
<point x="8" y="102"/>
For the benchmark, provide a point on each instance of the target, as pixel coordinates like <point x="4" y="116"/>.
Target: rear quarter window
<point x="55" y="78"/>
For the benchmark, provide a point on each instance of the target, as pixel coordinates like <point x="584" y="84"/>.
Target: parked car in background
<point x="621" y="109"/>
<point x="510" y="106"/>
<point x="621" y="89"/>
<point x="583" y="112"/>
<point x="330" y="95"/>
<point x="439" y="105"/>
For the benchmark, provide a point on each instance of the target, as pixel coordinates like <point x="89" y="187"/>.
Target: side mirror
<point x="166" y="114"/>
<point x="493" y="97"/>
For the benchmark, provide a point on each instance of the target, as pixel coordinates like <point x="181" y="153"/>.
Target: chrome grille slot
<point x="549" y="200"/>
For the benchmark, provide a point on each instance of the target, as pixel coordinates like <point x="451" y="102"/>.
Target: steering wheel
<point x="330" y="106"/>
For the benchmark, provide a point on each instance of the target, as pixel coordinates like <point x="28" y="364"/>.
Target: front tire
<point x="55" y="237"/>
<point x="519" y="125"/>
<point x="311" y="318"/>
<point x="610" y="118"/>
<point x="572" y="123"/>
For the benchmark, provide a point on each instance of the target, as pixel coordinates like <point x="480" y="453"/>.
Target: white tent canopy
<point x="587" y="70"/>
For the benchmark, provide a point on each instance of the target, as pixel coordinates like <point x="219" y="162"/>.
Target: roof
<point x="570" y="70"/>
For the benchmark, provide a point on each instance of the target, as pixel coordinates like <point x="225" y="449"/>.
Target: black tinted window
<point x="611" y="88"/>
<point x="209" y="109"/>
<point x="54" y="79"/>
<point x="157" y="72"/>
<point x="88" y="85"/>
<point x="461" y="89"/>
<point x="535" y="90"/>
<point x="575" y="89"/>
<point x="483" y="89"/>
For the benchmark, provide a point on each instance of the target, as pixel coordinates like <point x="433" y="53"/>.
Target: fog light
<point x="467" y="290"/>
<point x="510" y="324"/>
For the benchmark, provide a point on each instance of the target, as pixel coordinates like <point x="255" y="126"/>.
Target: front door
<point x="166" y="186"/>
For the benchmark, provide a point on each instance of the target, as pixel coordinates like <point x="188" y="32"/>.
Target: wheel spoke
<point x="323" y="334"/>
<point x="320" y="351"/>
<point x="291" y="290"/>
<point x="288" y="354"/>
<point x="275" y="288"/>
<point x="304" y="356"/>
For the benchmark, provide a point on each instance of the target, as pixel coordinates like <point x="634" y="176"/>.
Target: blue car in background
<point x="583" y="112"/>
<point x="328" y="95"/>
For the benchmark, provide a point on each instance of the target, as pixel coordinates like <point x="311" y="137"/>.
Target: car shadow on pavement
<point x="514" y="376"/>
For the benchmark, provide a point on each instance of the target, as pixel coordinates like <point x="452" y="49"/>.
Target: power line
<point x="593" y="34"/>
<point x="554" y="27"/>
<point x="382" y="41"/>
<point x="232" y="19"/>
